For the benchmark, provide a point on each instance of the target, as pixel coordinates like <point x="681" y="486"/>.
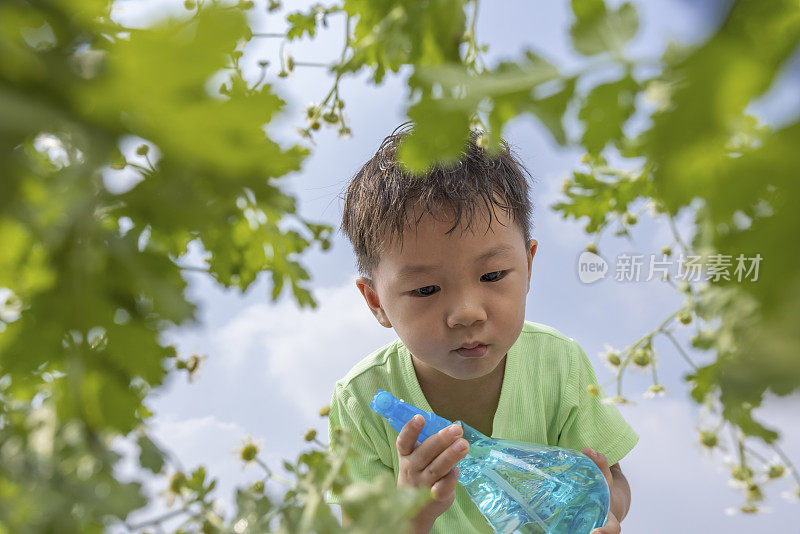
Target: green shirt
<point x="543" y="400"/>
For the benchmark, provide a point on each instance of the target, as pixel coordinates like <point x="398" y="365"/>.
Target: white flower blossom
<point x="617" y="400"/>
<point x="656" y="390"/>
<point x="792" y="496"/>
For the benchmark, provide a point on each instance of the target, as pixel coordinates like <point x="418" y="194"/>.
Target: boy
<point x="446" y="261"/>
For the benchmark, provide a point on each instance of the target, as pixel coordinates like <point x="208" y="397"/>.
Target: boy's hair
<point x="381" y="194"/>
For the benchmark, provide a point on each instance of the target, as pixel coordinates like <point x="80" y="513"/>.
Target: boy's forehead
<point x="478" y="238"/>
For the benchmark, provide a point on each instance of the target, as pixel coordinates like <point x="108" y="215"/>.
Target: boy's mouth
<point x="472" y="350"/>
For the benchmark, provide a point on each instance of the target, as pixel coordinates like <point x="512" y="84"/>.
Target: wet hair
<point x="382" y="194"/>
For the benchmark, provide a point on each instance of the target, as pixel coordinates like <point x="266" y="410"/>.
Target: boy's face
<point x="472" y="289"/>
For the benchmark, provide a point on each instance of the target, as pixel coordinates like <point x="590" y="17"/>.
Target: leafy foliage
<point x="91" y="271"/>
<point x="94" y="270"/>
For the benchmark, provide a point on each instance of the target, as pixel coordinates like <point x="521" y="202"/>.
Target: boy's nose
<point x="466" y="313"/>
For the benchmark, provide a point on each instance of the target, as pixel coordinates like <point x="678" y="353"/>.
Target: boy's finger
<point x="612" y="526"/>
<point x="447" y="459"/>
<point x="443" y="487"/>
<point x="407" y="438"/>
<point x="433" y="447"/>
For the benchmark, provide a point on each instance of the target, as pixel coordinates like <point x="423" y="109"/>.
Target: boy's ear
<point x="532" y="246"/>
<point x="367" y="289"/>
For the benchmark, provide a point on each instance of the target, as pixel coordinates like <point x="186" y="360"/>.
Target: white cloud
<point x="302" y="351"/>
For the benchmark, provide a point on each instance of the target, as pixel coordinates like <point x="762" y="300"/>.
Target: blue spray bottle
<point x="518" y="487"/>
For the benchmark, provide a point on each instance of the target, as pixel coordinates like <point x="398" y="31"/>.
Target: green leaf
<point x="150" y="456"/>
<point x="599" y="196"/>
<point x="449" y="97"/>
<point x="187" y="121"/>
<point x="392" y="33"/>
<point x="545" y="94"/>
<point x="105" y="401"/>
<point x="439" y="135"/>
<point x="301" y="23"/>
<point x="742" y="417"/>
<point x="713" y="87"/>
<point x="23" y="263"/>
<point x="597" y="30"/>
<point x="605" y="112"/>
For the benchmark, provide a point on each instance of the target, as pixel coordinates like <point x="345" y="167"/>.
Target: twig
<point x="160" y="519"/>
<point x="788" y="463"/>
<point x="680" y="349"/>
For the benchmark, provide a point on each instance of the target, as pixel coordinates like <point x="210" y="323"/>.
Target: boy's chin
<point x="472" y="372"/>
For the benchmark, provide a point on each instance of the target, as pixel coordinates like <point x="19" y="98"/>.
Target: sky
<point x="270" y="366"/>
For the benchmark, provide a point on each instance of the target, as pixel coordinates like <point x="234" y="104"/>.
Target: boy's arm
<point x="618" y="487"/>
<point x="623" y="493"/>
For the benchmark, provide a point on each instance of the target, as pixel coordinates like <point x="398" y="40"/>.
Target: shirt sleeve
<point x="364" y="462"/>
<point x="587" y="420"/>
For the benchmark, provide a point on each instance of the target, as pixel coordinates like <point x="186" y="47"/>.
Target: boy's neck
<point x="472" y="401"/>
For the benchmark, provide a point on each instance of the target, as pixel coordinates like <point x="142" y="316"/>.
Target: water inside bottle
<point x="526" y="488"/>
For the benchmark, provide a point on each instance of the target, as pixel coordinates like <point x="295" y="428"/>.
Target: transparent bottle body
<point x="518" y="487"/>
<point x="529" y="488"/>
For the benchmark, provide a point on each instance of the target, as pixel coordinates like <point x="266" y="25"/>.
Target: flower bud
<point x="754" y="493"/>
<point x="741" y="473"/>
<point x="249" y="452"/>
<point x="775" y="471"/>
<point x="642" y="357"/>
<point x="749" y="508"/>
<point x="176" y="482"/>
<point x="709" y="438"/>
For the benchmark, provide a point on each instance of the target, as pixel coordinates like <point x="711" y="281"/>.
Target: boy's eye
<point x="427" y="291"/>
<point x="494" y="276"/>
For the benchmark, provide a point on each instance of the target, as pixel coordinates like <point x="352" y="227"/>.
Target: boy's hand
<point x="432" y="465"/>
<point x="612" y="525"/>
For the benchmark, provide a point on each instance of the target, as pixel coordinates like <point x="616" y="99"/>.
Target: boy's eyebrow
<point x="410" y="270"/>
